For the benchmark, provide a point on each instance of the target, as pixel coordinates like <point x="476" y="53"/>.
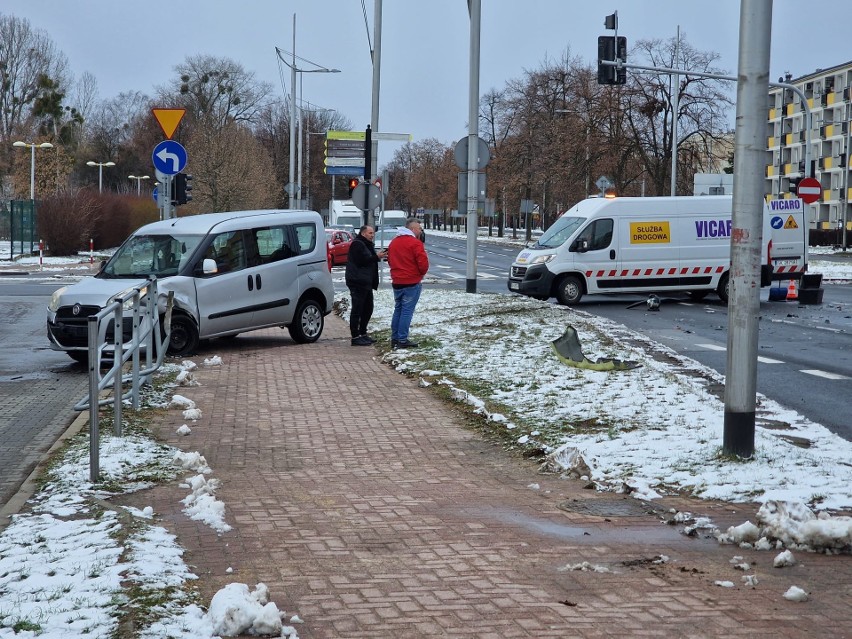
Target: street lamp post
<point x="33" y="145"/>
<point x="292" y="187"/>
<point x="138" y="179"/>
<point x="100" y="166"/>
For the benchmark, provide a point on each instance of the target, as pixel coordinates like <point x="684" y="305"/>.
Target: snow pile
<point x="213" y="361"/>
<point x="192" y="414"/>
<point x="202" y="505"/>
<point x="784" y="559"/>
<point x="179" y="401"/>
<point x="235" y="610"/>
<point x="183" y="430"/>
<point x="794" y="525"/>
<point x="794" y="593"/>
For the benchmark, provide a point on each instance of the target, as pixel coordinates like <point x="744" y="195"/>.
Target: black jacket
<point x="362" y="266"/>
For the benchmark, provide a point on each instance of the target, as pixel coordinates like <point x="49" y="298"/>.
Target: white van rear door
<point x="788" y="234"/>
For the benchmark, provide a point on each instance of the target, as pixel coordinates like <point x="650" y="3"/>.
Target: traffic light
<point x="181" y="187"/>
<point x="353" y="182"/>
<point x="610" y="49"/>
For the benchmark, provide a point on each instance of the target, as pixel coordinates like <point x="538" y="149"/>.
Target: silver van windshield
<point x="561" y="230"/>
<point x="145" y="255"/>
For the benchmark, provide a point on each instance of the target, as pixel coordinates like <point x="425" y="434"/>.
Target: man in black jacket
<point x="362" y="278"/>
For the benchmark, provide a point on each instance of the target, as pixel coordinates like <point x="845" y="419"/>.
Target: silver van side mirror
<point x="208" y="266"/>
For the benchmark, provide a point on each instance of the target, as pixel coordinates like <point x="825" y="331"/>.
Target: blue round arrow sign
<point x="169" y="157"/>
<point x="155" y="193"/>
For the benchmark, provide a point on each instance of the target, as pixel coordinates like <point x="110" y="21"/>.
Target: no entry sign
<point x="809" y="190"/>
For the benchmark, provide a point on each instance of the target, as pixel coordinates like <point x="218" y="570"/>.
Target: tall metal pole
<point x="675" y="109"/>
<point x="846" y="180"/>
<point x="300" y="138"/>
<point x="32" y="173"/>
<point x="100" y="178"/>
<point x="291" y="186"/>
<point x="747" y="228"/>
<point x="373" y="169"/>
<point x="475" y="9"/>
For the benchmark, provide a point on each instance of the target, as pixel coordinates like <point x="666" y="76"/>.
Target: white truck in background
<point x="344" y="213"/>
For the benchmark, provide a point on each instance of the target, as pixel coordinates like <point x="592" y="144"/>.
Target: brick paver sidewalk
<point x="371" y="510"/>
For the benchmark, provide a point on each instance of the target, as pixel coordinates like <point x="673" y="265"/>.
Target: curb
<point x="28" y="487"/>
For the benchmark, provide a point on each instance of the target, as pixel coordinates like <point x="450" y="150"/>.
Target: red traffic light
<point x="353" y="182"/>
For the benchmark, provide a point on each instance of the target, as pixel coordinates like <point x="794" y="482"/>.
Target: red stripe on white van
<point x="719" y="269"/>
<point x="624" y="273"/>
<point x="707" y="269"/>
<point x="613" y="273"/>
<point x="636" y="272"/>
<point x="600" y="274"/>
<point x="672" y="271"/>
<point x="648" y="271"/>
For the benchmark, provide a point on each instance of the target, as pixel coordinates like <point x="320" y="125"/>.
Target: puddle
<point x="660" y="533"/>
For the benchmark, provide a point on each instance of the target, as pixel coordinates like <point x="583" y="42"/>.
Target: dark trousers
<point x="361" y="311"/>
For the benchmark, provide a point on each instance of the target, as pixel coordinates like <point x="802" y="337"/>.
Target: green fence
<point x="18" y="233"/>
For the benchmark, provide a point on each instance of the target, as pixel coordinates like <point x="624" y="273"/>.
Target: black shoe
<point x="394" y="343"/>
<point x="406" y="344"/>
<point x="368" y="338"/>
<point x="361" y="341"/>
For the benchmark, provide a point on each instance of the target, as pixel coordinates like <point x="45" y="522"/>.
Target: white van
<point x="650" y="245"/>
<point x="230" y="273"/>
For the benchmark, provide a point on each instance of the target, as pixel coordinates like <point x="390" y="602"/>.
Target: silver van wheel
<point x="308" y="322"/>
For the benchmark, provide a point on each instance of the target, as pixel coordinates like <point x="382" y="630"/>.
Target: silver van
<point x="230" y="273"/>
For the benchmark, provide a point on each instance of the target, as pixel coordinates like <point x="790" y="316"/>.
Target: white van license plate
<point x="514" y="286"/>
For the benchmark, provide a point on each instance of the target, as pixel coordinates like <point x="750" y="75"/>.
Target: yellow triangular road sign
<point x="168" y="119"/>
<point x="790" y="223"/>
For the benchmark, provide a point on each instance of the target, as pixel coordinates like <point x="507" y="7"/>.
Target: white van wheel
<point x="569" y="290"/>
<point x="724" y="288"/>
<point x="307" y="323"/>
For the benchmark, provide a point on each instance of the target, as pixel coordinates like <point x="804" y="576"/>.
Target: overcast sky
<point x="425" y="45"/>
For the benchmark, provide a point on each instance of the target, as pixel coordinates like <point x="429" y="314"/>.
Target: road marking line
<point x="760" y="358"/>
<point x="712" y="347"/>
<point x="823" y="374"/>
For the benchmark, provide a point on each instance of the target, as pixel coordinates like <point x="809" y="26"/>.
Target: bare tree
<point x="648" y="106"/>
<point x="217" y="90"/>
<point x="27" y="57"/>
<point x="231" y="170"/>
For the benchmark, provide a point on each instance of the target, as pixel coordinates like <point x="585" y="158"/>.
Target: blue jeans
<point x="404" y="301"/>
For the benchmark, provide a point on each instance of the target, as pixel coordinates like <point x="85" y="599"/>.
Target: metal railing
<point x="141" y="303"/>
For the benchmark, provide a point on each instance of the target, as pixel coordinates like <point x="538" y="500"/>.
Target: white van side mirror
<point x="208" y="266"/>
<point x="579" y="246"/>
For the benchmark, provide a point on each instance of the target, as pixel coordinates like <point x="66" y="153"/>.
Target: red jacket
<point x="407" y="260"/>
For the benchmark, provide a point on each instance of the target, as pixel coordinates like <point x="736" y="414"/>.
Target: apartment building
<point x="828" y="97"/>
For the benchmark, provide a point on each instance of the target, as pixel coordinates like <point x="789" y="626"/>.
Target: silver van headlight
<point x="128" y="303"/>
<point x="56" y="298"/>
<point x="542" y="259"/>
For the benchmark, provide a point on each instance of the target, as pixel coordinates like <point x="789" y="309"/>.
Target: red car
<point x="338" y="246"/>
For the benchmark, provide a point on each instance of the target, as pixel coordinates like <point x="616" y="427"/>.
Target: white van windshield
<point x="561" y="230"/>
<point x="145" y="255"/>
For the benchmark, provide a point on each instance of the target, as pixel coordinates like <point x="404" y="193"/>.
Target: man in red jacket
<point x="408" y="264"/>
